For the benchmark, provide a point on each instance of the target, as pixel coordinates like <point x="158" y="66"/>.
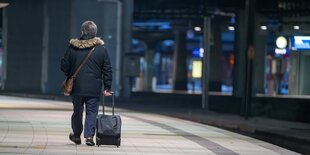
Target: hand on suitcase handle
<point x="108" y="93"/>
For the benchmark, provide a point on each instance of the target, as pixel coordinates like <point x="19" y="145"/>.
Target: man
<point x="88" y="83"/>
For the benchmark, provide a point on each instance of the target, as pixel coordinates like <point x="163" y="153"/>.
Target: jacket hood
<point x="81" y="44"/>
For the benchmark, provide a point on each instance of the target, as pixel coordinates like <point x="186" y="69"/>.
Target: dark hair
<point x="89" y="28"/>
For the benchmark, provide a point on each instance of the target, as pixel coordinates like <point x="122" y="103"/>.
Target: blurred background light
<point x="231" y="28"/>
<point x="296" y="27"/>
<point x="197" y="28"/>
<point x="263" y="27"/>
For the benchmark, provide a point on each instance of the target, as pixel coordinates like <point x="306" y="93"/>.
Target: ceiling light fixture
<point x="263" y="27"/>
<point x="231" y="28"/>
<point x="296" y="27"/>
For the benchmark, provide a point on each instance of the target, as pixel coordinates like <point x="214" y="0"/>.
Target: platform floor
<point x="35" y="126"/>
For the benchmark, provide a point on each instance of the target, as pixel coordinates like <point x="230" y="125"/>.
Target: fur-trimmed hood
<point x="86" y="43"/>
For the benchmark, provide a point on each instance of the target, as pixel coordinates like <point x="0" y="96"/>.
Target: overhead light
<point x="197" y="28"/>
<point x="231" y="28"/>
<point x="263" y="27"/>
<point x="296" y="27"/>
<point x="2" y="5"/>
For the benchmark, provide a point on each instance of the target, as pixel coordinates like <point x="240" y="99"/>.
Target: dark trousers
<point x="92" y="105"/>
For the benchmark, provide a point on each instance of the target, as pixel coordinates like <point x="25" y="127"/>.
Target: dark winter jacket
<point x="98" y="67"/>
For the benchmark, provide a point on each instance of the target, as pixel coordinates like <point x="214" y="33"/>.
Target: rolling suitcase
<point x="108" y="128"/>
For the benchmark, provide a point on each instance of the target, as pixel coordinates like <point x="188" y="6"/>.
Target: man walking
<point x="88" y="83"/>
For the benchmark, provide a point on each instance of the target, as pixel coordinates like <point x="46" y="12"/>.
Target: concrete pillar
<point x="304" y="74"/>
<point x="294" y="73"/>
<point x="216" y="63"/>
<point x="4" y="48"/>
<point x="180" y="67"/>
<point x="126" y="42"/>
<point x="240" y="48"/>
<point x="149" y="69"/>
<point x="260" y="42"/>
<point x="23" y="46"/>
<point x="250" y="55"/>
<point x="55" y="42"/>
<point x="260" y="39"/>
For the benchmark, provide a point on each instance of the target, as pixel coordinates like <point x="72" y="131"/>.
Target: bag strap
<point x="83" y="62"/>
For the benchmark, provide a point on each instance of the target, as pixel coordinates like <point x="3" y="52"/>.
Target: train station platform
<point x="38" y="126"/>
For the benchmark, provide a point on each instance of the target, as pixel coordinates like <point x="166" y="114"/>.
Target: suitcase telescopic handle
<point x="112" y="103"/>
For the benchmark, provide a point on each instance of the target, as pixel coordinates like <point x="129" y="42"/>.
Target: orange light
<point x="231" y="59"/>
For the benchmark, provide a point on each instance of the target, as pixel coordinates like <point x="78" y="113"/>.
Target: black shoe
<point x="90" y="141"/>
<point x="74" y="139"/>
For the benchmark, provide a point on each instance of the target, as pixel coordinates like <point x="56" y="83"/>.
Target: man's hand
<point x="107" y="93"/>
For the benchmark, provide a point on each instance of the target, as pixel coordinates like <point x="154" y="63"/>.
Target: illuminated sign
<point x="197" y="69"/>
<point x="198" y="52"/>
<point x="280" y="51"/>
<point x="301" y="43"/>
<point x="281" y="42"/>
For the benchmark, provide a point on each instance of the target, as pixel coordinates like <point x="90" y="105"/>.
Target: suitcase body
<point x="108" y="128"/>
